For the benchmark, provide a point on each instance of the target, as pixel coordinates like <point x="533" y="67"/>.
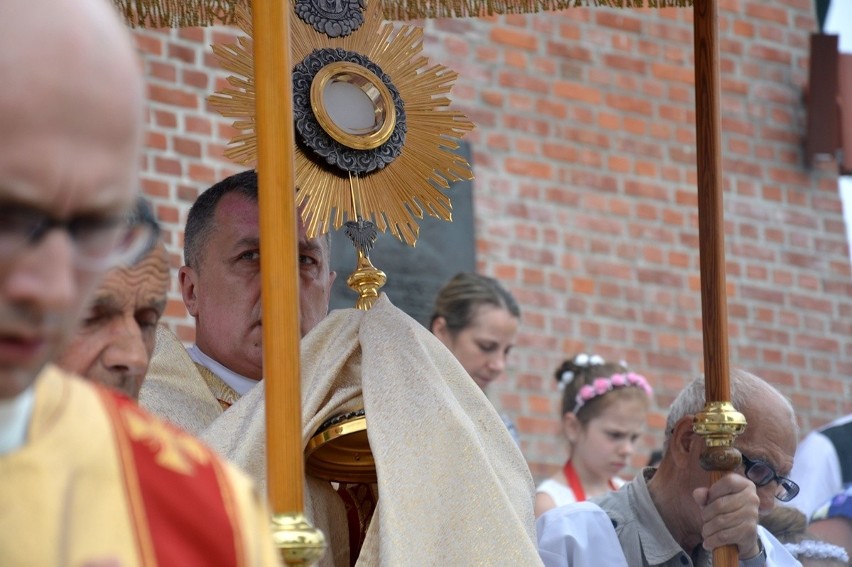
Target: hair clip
<point x="584" y="360"/>
<point x="564" y="379"/>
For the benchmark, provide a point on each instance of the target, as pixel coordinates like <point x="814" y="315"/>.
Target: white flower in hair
<point x="595" y="360"/>
<point x="581" y="359"/>
<point x="564" y="379"/>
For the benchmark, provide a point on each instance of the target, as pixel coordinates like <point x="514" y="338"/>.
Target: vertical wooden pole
<point x="278" y="257"/>
<point x="711" y="222"/>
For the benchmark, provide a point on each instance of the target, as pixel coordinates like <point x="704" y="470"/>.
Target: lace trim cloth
<point x="813" y="549"/>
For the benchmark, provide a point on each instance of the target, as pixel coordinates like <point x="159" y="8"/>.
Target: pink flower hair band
<point x="601" y="386"/>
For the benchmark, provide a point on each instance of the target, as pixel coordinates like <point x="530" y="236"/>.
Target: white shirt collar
<point x="14" y="419"/>
<point x="238" y="382"/>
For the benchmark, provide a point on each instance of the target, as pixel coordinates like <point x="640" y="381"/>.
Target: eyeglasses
<point x="761" y="474"/>
<point x="143" y="214"/>
<point x="99" y="242"/>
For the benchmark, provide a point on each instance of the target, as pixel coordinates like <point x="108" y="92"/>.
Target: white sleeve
<point x="816" y="469"/>
<point x="776" y="554"/>
<point x="578" y="535"/>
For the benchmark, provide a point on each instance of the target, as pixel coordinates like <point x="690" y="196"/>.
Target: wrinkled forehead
<point x="153" y="267"/>
<point x="144" y="284"/>
<point x="769" y="436"/>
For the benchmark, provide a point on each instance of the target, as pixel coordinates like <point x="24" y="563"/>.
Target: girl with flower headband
<point x="604" y="410"/>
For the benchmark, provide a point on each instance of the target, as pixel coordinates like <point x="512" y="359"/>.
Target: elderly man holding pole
<point x="668" y="516"/>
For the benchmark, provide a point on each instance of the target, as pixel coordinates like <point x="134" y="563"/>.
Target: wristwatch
<point x="758" y="560"/>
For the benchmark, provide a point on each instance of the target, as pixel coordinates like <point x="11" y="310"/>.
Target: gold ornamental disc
<point x="353" y="105"/>
<point x="341" y="453"/>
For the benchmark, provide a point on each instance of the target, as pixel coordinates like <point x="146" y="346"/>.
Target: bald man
<point x="86" y="478"/>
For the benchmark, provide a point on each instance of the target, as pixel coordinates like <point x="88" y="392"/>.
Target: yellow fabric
<point x="174" y="389"/>
<point x="224" y="394"/>
<point x="453" y="487"/>
<point x="64" y="496"/>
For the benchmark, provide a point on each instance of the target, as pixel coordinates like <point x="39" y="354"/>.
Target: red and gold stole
<point x="183" y="509"/>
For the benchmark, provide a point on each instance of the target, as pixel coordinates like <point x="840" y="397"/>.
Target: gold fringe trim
<point x="192" y="13"/>
<point x="419" y="9"/>
<point x="177" y="13"/>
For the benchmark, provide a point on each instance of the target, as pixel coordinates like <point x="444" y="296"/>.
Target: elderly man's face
<point x="113" y="345"/>
<point x="770" y="437"/>
<point x="223" y="293"/>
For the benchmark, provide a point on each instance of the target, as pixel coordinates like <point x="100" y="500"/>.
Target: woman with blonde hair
<point x="478" y="321"/>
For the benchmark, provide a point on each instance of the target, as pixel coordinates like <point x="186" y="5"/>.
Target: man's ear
<point x="187" y="278"/>
<point x="680" y="444"/>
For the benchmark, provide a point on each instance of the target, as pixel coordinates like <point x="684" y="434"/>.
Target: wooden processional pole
<point x="299" y="542"/>
<point x="719" y="423"/>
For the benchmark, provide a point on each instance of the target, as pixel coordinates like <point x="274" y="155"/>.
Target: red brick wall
<point x="585" y="196"/>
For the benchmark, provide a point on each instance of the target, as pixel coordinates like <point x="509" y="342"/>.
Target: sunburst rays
<point x="395" y="196"/>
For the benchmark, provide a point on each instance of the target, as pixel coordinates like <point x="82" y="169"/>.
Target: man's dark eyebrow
<point x="309" y="245"/>
<point x="102" y="305"/>
<point x="153" y="301"/>
<point x="759" y="455"/>
<point x="159" y="305"/>
<point x="103" y="301"/>
<point x="248" y="242"/>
